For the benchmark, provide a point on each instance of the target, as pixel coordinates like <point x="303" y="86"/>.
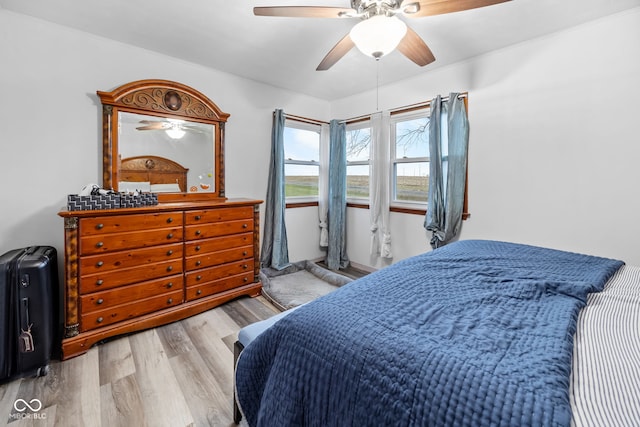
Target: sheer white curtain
<point x="379" y="159"/>
<point x="323" y="185"/>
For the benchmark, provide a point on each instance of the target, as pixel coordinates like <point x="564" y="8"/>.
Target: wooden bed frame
<point x="153" y="169"/>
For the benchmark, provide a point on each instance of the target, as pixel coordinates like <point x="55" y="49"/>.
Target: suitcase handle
<point x="25" y="305"/>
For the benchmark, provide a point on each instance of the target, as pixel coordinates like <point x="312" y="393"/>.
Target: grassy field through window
<point x="409" y="188"/>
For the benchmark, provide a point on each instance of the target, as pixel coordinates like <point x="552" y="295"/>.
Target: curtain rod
<point x="304" y="119"/>
<point x="365" y="117"/>
<point x="403" y="109"/>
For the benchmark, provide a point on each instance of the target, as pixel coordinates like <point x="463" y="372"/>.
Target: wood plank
<point x="217" y="356"/>
<point x="115" y="360"/>
<point x="8" y="395"/>
<point x="163" y="406"/>
<point x="208" y="400"/>
<point x="122" y="403"/>
<point x="174" y="339"/>
<point x="77" y="391"/>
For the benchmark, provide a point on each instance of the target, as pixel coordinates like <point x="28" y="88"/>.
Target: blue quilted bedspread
<point x="475" y="333"/>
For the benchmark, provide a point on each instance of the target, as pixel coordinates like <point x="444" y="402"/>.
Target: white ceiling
<point x="284" y="52"/>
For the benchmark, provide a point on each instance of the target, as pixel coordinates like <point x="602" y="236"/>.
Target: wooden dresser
<point x="136" y="268"/>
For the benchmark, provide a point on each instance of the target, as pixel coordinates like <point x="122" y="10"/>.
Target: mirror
<point x="163" y="137"/>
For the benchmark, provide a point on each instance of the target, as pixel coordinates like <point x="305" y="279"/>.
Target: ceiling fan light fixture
<point x="175" y="132"/>
<point x="378" y="35"/>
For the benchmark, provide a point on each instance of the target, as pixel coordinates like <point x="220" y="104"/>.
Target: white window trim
<point x="355" y="126"/>
<point x="313" y="128"/>
<point x="393" y="161"/>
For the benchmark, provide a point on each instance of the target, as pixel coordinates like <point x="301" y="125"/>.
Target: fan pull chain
<point x="378" y="85"/>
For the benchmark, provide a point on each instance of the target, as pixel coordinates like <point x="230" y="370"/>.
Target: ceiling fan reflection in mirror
<point x="176" y="129"/>
<point x="380" y="31"/>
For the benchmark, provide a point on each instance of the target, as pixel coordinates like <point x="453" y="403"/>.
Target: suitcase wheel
<point x="42" y="371"/>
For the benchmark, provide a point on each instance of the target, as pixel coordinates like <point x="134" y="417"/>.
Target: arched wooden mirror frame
<point x="167" y="99"/>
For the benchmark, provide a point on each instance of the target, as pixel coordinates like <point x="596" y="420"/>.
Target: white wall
<point x="554" y="149"/>
<point x="50" y="120"/>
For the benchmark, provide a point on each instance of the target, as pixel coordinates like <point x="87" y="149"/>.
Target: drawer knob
<point x="198" y="263"/>
<point x="199" y="291"/>
<point x="170" y="285"/>
<point x="169" y="220"/>
<point x="198" y="277"/>
<point x="99" y="226"/>
<point x="245" y="266"/>
<point x="99" y="244"/>
<point x="170" y="236"/>
<point x="100" y="301"/>
<point x="99" y="282"/>
<point x="197" y="248"/>
<point x="169" y="268"/>
<point x="99" y="319"/>
<point x="170" y="301"/>
<point x="99" y="264"/>
<point x="169" y="252"/>
<point x="245" y="225"/>
<point x="198" y="217"/>
<point x="245" y="279"/>
<point x="198" y="232"/>
<point x="244" y="253"/>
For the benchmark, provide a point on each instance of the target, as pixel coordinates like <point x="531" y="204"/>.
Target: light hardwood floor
<point x="176" y="375"/>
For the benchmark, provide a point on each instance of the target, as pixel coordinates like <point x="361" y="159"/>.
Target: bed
<point x="152" y="174"/>
<point x="474" y="333"/>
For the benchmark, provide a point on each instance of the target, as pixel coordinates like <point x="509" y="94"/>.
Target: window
<point x="410" y="157"/>
<point x="358" y="146"/>
<point x="302" y="160"/>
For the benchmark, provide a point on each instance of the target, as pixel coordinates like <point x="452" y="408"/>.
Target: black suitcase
<point x="29" y="311"/>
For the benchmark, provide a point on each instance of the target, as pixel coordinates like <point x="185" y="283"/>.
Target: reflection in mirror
<point x="189" y="144"/>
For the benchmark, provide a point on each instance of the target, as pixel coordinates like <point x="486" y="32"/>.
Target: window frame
<point x="396" y="117"/>
<point x="356" y="125"/>
<point x="300" y="201"/>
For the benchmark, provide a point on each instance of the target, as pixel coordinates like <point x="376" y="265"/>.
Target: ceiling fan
<point x="174" y="128"/>
<point x="379" y="31"/>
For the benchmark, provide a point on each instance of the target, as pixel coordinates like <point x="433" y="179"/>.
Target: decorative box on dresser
<point x="135" y="268"/>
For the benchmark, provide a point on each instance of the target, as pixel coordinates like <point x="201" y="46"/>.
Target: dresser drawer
<point x="126" y="311"/>
<point x="90" y="245"/>
<point x="107" y="299"/>
<point x="216" y="258"/>
<point x="215" y="229"/>
<point x="126" y="276"/>
<point x="216" y="215"/>
<point x="132" y="258"/>
<point x="198" y="277"/>
<point x="199" y="247"/>
<point x="220" y="285"/>
<point x="121" y="223"/>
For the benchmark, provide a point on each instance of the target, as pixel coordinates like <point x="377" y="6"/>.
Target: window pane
<point x="301" y="144"/>
<point x="358" y="141"/>
<point x="412" y="138"/>
<point x="412" y="181"/>
<point x="301" y="180"/>
<point x="358" y="181"/>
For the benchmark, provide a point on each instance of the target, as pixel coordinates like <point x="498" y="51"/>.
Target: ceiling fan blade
<point x="152" y="125"/>
<point x="439" y="7"/>
<point x="414" y="48"/>
<point x="336" y="53"/>
<point x="304" y="11"/>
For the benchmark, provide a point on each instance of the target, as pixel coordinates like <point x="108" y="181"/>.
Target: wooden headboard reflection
<point x="153" y="169"/>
